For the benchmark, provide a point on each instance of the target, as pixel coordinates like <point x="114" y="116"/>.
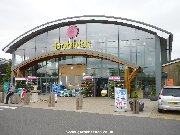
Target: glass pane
<point x="103" y="37"/>
<point x="41" y="44"/>
<point x="72" y="80"/>
<point x="63" y="80"/>
<point x="19" y="55"/>
<point x="53" y="37"/>
<point x="29" y="49"/>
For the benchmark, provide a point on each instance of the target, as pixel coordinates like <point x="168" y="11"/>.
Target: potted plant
<point x="153" y="96"/>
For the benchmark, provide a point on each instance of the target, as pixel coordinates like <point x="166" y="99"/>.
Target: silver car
<point x="169" y="98"/>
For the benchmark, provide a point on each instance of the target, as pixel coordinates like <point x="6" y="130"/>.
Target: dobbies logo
<point x="72" y="31"/>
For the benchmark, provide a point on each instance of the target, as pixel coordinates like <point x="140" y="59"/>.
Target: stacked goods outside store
<point x="114" y="81"/>
<point x="87" y="87"/>
<point x="111" y="89"/>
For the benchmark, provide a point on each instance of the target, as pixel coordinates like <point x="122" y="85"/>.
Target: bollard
<point x="5" y="94"/>
<point x="77" y="102"/>
<point x="135" y="106"/>
<point x="1" y="97"/>
<point x="34" y="97"/>
<point x="51" y="101"/>
<point x="80" y="102"/>
<point x="27" y="99"/>
<point x="15" y="98"/>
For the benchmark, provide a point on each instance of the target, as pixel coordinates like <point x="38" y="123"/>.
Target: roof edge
<point x="76" y="17"/>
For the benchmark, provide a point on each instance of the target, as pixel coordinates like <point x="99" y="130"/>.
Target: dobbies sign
<point x="72" y="32"/>
<point x="73" y="45"/>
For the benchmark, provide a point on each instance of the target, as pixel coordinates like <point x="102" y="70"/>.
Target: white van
<point x="169" y="98"/>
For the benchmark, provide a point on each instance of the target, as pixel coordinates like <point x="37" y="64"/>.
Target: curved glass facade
<point x="132" y="45"/>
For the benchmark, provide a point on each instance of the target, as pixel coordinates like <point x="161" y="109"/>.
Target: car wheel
<point x="160" y="110"/>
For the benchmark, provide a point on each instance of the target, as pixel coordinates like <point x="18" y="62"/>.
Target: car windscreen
<point x="171" y="92"/>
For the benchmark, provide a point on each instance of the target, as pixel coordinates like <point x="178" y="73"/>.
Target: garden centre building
<point x="65" y="50"/>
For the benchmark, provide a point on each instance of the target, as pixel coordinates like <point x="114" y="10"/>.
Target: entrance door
<point x="45" y="84"/>
<point x="101" y="84"/>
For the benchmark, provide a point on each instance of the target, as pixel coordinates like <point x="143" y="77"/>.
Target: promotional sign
<point x="32" y="78"/>
<point x="120" y="99"/>
<point x="87" y="77"/>
<point x="115" y="78"/>
<point x="6" y="86"/>
<point x="20" y="78"/>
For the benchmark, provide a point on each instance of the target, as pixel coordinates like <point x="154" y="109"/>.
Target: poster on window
<point x="120" y="99"/>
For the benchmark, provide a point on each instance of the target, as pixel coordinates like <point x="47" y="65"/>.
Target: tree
<point x="7" y="77"/>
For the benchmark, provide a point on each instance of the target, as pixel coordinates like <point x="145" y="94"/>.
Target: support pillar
<point x="126" y="76"/>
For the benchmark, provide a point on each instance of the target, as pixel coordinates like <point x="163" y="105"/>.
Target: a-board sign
<point x="120" y="99"/>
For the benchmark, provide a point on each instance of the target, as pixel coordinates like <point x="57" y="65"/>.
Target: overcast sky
<point x="19" y="16"/>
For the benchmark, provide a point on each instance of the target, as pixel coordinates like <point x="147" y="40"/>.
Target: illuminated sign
<point x="73" y="45"/>
<point x="72" y="31"/>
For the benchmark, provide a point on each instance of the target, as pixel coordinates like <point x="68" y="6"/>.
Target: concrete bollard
<point x="51" y="101"/>
<point x="15" y="98"/>
<point x="4" y="96"/>
<point x="135" y="106"/>
<point x="79" y="102"/>
<point x="1" y="97"/>
<point x="27" y="99"/>
<point x="34" y="97"/>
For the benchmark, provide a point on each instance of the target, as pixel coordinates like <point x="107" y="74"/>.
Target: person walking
<point x="10" y="93"/>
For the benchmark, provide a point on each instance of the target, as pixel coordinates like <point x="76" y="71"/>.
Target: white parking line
<point x="8" y="107"/>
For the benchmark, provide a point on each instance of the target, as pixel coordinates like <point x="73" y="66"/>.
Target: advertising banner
<point x="6" y="86"/>
<point x="120" y="99"/>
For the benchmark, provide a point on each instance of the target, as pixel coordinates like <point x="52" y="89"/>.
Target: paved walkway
<point x="101" y="105"/>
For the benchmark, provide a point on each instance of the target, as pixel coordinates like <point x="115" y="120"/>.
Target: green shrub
<point x="153" y="92"/>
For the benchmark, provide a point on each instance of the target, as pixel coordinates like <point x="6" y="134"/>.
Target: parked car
<point x="169" y="98"/>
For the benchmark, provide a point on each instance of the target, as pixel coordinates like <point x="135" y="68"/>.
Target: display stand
<point x="114" y="81"/>
<point x="87" y="87"/>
